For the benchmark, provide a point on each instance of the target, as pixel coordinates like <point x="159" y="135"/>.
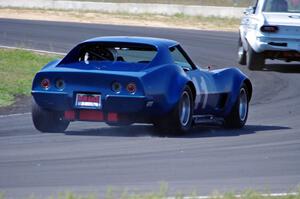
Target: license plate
<point x="92" y="101"/>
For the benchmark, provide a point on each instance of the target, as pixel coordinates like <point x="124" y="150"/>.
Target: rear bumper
<point x="57" y="101"/>
<point x="283" y="55"/>
<point x="263" y="44"/>
<point x="60" y="101"/>
<point x="125" y="104"/>
<point x="287" y="49"/>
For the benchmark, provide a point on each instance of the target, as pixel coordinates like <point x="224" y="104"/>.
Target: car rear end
<point x="277" y="30"/>
<point x="91" y="96"/>
<point x="97" y="82"/>
<point x="279" y="37"/>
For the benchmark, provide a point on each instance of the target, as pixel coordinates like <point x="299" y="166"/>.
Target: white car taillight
<point x="271" y="29"/>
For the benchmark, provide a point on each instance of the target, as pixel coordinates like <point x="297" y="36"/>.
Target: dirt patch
<point x="176" y="21"/>
<point x="22" y="104"/>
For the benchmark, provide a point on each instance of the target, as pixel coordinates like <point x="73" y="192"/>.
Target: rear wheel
<point x="48" y="121"/>
<point x="255" y="61"/>
<point x="239" y="113"/>
<point x="179" y="121"/>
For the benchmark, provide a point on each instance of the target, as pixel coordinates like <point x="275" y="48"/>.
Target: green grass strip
<point x="162" y="194"/>
<point x="17" y="69"/>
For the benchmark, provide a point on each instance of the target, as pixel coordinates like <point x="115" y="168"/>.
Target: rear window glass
<point x="288" y="6"/>
<point x="111" y="52"/>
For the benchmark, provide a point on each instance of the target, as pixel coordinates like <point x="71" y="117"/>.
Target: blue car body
<point x="159" y="83"/>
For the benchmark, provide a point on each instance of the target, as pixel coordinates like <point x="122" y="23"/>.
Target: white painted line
<point x="14" y="115"/>
<point x="239" y="196"/>
<point x="34" y="50"/>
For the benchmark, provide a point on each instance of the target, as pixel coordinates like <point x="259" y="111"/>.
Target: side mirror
<point x="249" y="10"/>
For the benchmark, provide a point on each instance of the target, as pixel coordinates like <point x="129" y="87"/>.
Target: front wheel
<point x="179" y="121"/>
<point x="239" y="113"/>
<point x="48" y="121"/>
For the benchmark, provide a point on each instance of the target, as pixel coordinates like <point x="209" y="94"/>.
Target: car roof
<point x="158" y="42"/>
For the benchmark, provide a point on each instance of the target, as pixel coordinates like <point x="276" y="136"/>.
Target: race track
<point x="264" y="156"/>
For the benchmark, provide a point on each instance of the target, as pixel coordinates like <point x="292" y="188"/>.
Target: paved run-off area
<point x="265" y="155"/>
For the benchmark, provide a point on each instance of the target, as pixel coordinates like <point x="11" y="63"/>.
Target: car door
<point x="247" y="20"/>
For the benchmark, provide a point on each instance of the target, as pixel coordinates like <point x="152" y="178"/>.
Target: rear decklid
<point x="91" y="78"/>
<point x="284" y="19"/>
<point x="101" y="66"/>
<point x="288" y="24"/>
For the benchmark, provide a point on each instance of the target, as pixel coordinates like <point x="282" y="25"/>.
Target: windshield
<point x="111" y="52"/>
<point x="288" y="6"/>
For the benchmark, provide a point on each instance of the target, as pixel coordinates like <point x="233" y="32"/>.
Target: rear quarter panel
<point x="230" y="80"/>
<point x="165" y="85"/>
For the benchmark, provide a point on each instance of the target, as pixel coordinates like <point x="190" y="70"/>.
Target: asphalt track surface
<point x="264" y="156"/>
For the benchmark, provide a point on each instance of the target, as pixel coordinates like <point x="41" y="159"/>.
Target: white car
<point x="270" y="29"/>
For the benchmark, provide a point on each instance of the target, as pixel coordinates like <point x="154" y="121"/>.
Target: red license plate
<point x="88" y="101"/>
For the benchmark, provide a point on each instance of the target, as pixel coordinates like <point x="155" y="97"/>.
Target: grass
<point x="238" y="3"/>
<point x="17" y="69"/>
<point x="162" y="194"/>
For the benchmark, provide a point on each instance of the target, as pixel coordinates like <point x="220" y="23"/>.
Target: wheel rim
<point x="185" y="109"/>
<point x="243" y="109"/>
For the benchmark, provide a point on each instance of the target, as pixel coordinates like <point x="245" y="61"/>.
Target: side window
<point x="180" y="59"/>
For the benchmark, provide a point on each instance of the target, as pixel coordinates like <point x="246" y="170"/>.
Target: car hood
<point x="290" y="19"/>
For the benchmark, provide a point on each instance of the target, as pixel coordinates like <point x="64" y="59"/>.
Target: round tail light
<point x="131" y="88"/>
<point x="45" y="83"/>
<point x="60" y="84"/>
<point x="116" y="87"/>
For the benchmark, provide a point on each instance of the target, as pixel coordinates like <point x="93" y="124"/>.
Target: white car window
<point x="291" y="6"/>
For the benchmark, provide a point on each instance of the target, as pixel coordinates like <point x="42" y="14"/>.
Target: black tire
<point x="241" y="53"/>
<point x="255" y="61"/>
<point x="238" y="117"/>
<point x="48" y="121"/>
<point x="175" y="123"/>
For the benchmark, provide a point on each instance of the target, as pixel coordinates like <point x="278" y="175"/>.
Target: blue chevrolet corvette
<point x="125" y="80"/>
